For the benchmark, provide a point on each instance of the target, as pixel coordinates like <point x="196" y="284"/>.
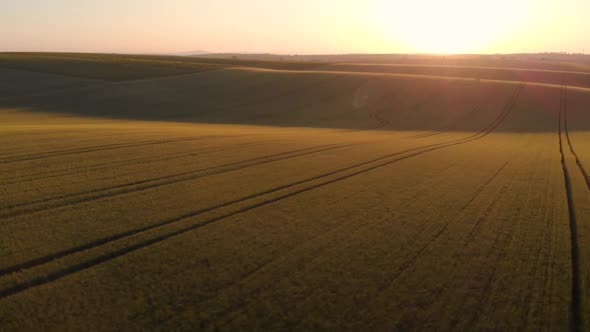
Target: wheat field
<point x="206" y="194"/>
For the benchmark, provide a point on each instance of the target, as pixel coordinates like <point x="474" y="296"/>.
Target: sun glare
<point x="453" y="26"/>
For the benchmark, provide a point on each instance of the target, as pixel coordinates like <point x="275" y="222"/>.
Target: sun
<point x="450" y="26"/>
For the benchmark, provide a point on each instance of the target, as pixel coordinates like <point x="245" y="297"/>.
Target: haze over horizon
<point x="304" y="27"/>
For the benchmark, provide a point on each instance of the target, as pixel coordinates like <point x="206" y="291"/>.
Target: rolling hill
<point x="269" y="195"/>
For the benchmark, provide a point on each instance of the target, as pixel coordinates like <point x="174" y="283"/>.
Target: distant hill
<point x="191" y="53"/>
<point x="550" y="61"/>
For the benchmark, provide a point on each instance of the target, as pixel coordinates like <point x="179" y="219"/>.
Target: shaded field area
<point x="540" y="61"/>
<point x="573" y="70"/>
<point x="315" y="99"/>
<point x="243" y="198"/>
<point x="119" y="67"/>
<point x="571" y="78"/>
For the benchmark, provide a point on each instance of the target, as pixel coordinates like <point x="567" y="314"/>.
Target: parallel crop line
<point x="140" y="185"/>
<point x="576" y="309"/>
<point x="44" y="155"/>
<point x="94" y="167"/>
<point x="419" y="253"/>
<point x="143" y="244"/>
<point x="571" y="146"/>
<point x="249" y="274"/>
<point x="447" y="127"/>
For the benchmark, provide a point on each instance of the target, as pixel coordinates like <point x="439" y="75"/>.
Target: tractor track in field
<point x="48" y="138"/>
<point x="96" y="148"/>
<point x="145" y="184"/>
<point x="447" y="127"/>
<point x="570" y="144"/>
<point x="48" y="258"/>
<point x="488" y="271"/>
<point x="148" y="159"/>
<point x="126" y="188"/>
<point x="496" y="254"/>
<point x="248" y="274"/>
<point x="469" y="237"/>
<point x="91" y="148"/>
<point x="58" y="134"/>
<point x="162" y="236"/>
<point x="576" y="301"/>
<point x="437" y="235"/>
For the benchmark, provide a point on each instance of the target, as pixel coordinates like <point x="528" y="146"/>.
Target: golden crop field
<point x="220" y="195"/>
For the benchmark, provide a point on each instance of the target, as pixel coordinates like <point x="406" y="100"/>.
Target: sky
<point x="295" y="27"/>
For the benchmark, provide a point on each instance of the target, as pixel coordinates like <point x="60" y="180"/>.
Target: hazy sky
<point x="302" y="26"/>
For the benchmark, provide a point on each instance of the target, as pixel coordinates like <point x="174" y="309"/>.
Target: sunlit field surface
<point x="199" y="194"/>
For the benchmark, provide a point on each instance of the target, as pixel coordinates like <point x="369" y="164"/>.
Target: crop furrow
<point x="493" y="258"/>
<point x="68" y="152"/>
<point x="268" y="262"/>
<point x="570" y="144"/>
<point x="419" y="253"/>
<point x="136" y="186"/>
<point x="61" y="137"/>
<point x="128" y="249"/>
<point x="576" y="320"/>
<point x="105" y="240"/>
<point x="447" y="127"/>
<point x="150" y="180"/>
<point x="55" y="275"/>
<point x="93" y="147"/>
<point x="453" y="124"/>
<point x="95" y="167"/>
<point x="115" y="237"/>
